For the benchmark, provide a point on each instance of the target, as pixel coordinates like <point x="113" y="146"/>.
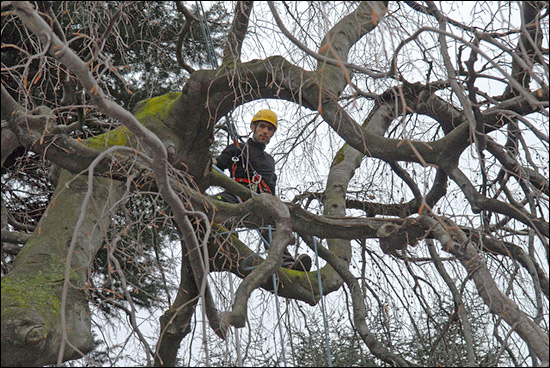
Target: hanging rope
<point x="214" y="63"/>
<point x="327" y="345"/>
<point x="230" y="129"/>
<point x="207" y="36"/>
<point x="278" y="307"/>
<point x="319" y="280"/>
<point x="233" y="134"/>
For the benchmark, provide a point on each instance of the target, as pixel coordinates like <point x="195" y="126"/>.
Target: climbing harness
<point x="256" y="183"/>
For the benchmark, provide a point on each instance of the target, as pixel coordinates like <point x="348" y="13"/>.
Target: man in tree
<point x="251" y="166"/>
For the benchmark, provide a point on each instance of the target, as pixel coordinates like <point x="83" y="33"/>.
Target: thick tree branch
<point x="459" y="304"/>
<point x="529" y="42"/>
<point x="235" y="37"/>
<point x="64" y="54"/>
<point x="491" y="244"/>
<point x="14" y="237"/>
<point x="189" y="19"/>
<point x="478" y="203"/>
<point x="512" y="166"/>
<point x="377" y="9"/>
<point x="176" y="321"/>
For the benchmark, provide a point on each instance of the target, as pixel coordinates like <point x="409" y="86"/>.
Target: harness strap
<point x="256" y="180"/>
<point x="234" y="166"/>
<point x="262" y="185"/>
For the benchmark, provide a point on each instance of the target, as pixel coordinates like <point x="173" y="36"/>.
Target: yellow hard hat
<point x="267" y="116"/>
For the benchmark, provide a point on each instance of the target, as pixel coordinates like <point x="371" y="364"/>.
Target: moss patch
<point x="156" y="107"/>
<point x="120" y="136"/>
<point x="340" y="156"/>
<point x="149" y="112"/>
<point x="38" y="292"/>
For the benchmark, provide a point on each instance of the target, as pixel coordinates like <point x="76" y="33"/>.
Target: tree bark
<point x="32" y="291"/>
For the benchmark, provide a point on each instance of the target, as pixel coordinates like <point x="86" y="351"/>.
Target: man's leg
<point x="302" y="263"/>
<point x="227" y="197"/>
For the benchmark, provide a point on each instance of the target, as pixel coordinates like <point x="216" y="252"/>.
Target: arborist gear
<point x="255" y="183"/>
<point x="250" y="165"/>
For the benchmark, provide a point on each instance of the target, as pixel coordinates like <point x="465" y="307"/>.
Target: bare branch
<point x="235" y="37"/>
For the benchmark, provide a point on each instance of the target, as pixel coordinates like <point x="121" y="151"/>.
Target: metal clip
<point x="257" y="178"/>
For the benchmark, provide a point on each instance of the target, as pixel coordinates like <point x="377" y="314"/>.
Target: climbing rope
<point x="233" y="134"/>
<point x="319" y="280"/>
<point x="230" y="129"/>
<point x="322" y="301"/>
<point x="214" y="63"/>
<point x="277" y="304"/>
<point x="207" y="36"/>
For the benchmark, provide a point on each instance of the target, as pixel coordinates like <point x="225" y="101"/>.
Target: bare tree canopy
<point x="412" y="155"/>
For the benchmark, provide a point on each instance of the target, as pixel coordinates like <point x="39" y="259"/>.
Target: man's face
<point x="262" y="131"/>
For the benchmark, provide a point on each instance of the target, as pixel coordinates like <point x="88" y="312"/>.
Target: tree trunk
<point x="32" y="292"/>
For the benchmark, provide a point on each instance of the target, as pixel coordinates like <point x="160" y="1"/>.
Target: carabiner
<point x="257" y="178"/>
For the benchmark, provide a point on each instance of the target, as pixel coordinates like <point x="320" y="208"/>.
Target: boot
<point x="302" y="263"/>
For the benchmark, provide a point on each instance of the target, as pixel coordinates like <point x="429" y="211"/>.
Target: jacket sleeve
<point x="225" y="159"/>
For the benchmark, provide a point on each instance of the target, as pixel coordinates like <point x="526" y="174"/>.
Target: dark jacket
<point x="252" y="158"/>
